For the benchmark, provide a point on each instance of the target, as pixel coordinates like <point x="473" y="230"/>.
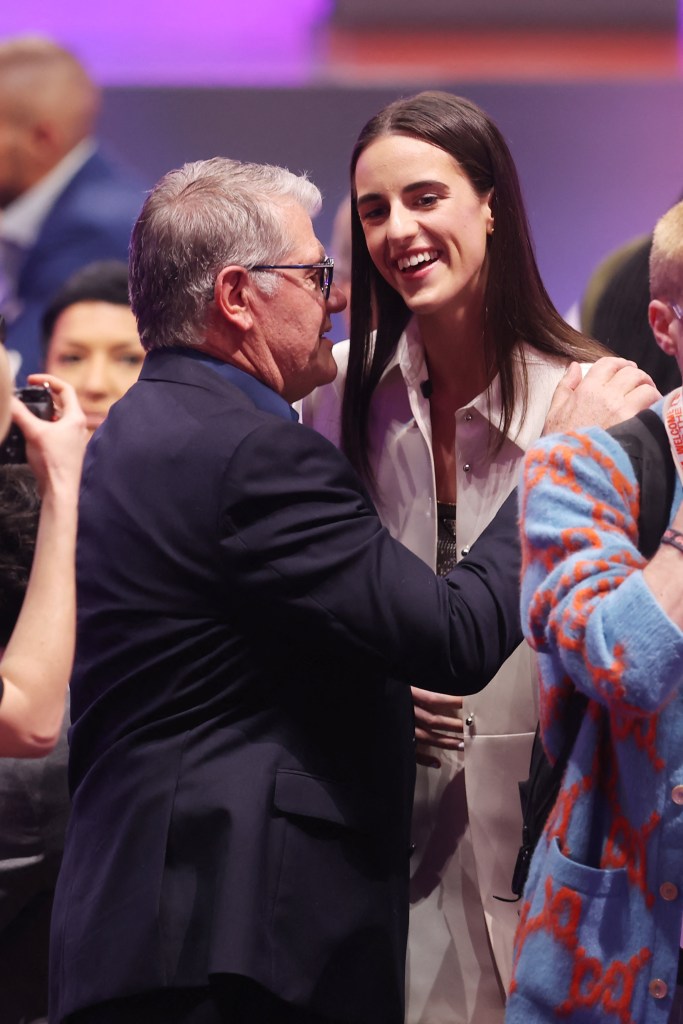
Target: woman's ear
<point x="232" y="295"/>
<point x="663" y="324"/>
<point x="491" y="225"/>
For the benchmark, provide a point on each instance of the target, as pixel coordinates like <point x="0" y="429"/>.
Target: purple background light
<point x="204" y="42"/>
<point x="250" y="79"/>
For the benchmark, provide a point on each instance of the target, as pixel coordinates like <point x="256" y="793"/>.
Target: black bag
<point x="645" y="440"/>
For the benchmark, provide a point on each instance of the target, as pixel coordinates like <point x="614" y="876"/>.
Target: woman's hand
<point x="54" y="449"/>
<point x="436" y="724"/>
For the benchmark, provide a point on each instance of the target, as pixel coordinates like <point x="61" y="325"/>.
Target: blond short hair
<point x="666" y="257"/>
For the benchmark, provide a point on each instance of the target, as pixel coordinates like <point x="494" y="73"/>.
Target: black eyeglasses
<point x="677" y="311"/>
<point x="325" y="269"/>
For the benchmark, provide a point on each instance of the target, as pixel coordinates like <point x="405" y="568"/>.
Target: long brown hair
<point x="517" y="306"/>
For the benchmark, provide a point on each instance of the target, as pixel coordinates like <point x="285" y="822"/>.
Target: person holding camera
<point x="36" y="663"/>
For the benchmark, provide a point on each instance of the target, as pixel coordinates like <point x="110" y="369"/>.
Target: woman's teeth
<point x="407" y="262"/>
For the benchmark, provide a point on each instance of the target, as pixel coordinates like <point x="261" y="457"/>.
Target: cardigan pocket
<point x="593" y="882"/>
<point x="584" y="935"/>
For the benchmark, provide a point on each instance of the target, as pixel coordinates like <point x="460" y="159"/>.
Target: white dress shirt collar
<point x="409" y="358"/>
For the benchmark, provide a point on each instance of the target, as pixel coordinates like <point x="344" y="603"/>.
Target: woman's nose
<point x="96" y="377"/>
<point x="401" y="223"/>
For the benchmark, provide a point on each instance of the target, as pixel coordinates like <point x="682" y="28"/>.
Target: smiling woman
<point x="436" y="409"/>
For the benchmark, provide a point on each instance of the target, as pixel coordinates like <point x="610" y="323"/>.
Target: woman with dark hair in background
<point x="90" y="337"/>
<point x="436" y="410"/>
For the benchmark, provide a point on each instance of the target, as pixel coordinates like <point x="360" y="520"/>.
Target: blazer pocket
<point x="310" y="796"/>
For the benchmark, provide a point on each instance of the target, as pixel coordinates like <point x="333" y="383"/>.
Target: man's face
<point x="666" y="321"/>
<point x="15" y="151"/>
<point x="292" y="323"/>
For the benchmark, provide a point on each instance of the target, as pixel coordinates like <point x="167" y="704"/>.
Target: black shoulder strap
<point x="645" y="441"/>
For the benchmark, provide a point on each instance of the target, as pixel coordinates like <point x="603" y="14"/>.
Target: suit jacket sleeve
<point x="315" y="564"/>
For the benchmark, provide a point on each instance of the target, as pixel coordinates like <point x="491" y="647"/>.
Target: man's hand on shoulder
<point x="613" y="390"/>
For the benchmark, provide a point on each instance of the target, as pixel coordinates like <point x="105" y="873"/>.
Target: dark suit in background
<point x="91" y="220"/>
<point x="242" y="753"/>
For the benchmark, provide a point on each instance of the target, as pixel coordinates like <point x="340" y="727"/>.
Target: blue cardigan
<point x="600" y="921"/>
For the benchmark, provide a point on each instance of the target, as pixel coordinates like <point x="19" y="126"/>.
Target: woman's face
<point x="424" y="224"/>
<point x="95" y="346"/>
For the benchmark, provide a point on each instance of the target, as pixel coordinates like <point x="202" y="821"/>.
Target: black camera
<point x="39" y="401"/>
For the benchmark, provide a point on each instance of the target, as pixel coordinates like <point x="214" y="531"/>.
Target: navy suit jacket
<point x="92" y="219"/>
<point x="242" y="750"/>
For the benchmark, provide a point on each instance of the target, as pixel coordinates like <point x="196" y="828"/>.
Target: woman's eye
<point x="372" y="213"/>
<point x="67" y="358"/>
<point x="427" y="200"/>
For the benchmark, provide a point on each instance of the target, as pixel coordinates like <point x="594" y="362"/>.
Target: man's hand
<point x="436" y="724"/>
<point x="54" y="449"/>
<point x="613" y="390"/>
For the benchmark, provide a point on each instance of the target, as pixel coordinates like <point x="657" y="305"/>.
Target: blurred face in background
<point x="95" y="346"/>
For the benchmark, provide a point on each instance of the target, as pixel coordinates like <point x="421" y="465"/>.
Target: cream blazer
<point x="467" y="818"/>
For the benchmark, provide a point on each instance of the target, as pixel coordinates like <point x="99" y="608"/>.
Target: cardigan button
<point x="668" y="891"/>
<point x="658" y="989"/>
<point x="677" y="795"/>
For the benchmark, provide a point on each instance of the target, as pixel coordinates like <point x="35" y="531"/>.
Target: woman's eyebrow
<point x="429" y="183"/>
<point x="416" y="186"/>
<point x="369" y="197"/>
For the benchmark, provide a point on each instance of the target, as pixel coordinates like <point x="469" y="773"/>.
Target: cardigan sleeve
<point x="585" y="606"/>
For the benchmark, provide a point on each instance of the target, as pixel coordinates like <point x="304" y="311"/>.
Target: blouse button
<point x="468" y="416"/>
<point x="677" y="794"/>
<point x="668" y="891"/>
<point x="657" y="988"/>
<point x="465" y="550"/>
<point x="467" y="468"/>
<point x="469" y="721"/>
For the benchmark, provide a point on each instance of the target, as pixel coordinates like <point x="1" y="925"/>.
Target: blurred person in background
<point x="36" y="663"/>
<point x="63" y="201"/>
<point x="90" y="337"/>
<point x="34" y="795"/>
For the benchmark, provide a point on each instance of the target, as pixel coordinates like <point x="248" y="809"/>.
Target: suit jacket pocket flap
<point x="313" y="797"/>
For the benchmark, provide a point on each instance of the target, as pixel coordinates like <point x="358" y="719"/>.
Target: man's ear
<point x="661" y="318"/>
<point x="233" y="297"/>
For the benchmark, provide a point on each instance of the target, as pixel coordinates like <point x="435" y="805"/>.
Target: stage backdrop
<point x="598" y="162"/>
